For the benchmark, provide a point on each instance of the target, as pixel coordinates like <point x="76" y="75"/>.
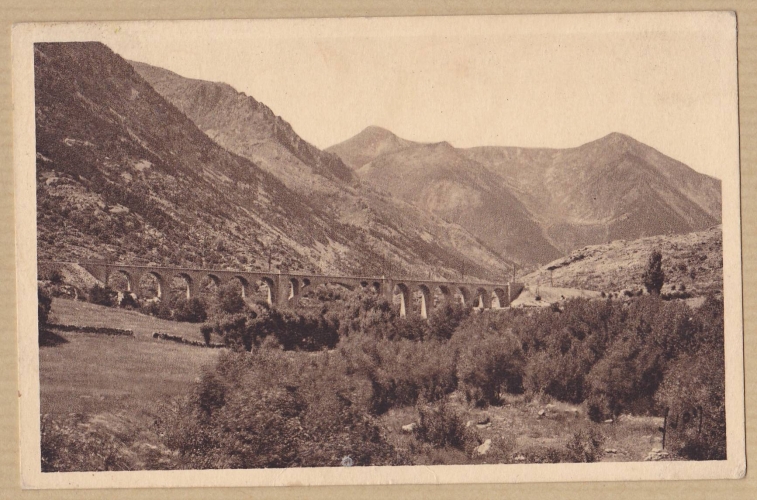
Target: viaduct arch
<point x="285" y="289"/>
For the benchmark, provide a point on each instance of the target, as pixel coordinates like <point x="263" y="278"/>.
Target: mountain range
<point x="136" y="163"/>
<point x="124" y="174"/>
<point x="546" y="202"/>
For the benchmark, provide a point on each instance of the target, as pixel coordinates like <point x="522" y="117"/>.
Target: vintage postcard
<point x="379" y="250"/>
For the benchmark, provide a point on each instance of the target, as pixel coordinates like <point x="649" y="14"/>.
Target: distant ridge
<point x="612" y="188"/>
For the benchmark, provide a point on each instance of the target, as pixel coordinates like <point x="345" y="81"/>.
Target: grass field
<point x="78" y="313"/>
<point x="91" y="373"/>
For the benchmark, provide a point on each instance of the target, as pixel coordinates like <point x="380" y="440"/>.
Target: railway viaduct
<point x="285" y="289"/>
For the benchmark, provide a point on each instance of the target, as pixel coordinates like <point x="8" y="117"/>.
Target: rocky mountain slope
<point x="692" y="263"/>
<point x="241" y="124"/>
<point x="441" y="181"/>
<point x="611" y="188"/>
<point x="123" y="174"/>
<point x="250" y="129"/>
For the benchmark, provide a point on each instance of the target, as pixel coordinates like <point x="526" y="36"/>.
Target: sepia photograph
<point x="349" y="251"/>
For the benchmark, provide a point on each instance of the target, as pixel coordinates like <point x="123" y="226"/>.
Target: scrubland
<point x="581" y="381"/>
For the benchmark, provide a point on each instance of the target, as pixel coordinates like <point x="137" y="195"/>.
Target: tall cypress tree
<point x="654" y="276"/>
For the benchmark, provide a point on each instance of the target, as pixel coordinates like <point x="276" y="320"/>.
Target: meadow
<point x="100" y="395"/>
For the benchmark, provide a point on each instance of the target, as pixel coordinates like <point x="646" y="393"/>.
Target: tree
<point x="191" y="310"/>
<point x="44" y="303"/>
<point x="230" y="299"/>
<point x="654" y="276"/>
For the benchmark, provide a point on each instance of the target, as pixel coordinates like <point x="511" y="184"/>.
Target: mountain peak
<point x="369" y="144"/>
<point x="376" y="130"/>
<point x="617" y="139"/>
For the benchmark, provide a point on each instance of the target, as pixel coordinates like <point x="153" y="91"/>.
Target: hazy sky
<point x="537" y="81"/>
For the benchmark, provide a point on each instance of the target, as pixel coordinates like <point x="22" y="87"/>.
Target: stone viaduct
<point x="285" y="289"/>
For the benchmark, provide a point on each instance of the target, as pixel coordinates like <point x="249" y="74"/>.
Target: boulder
<point x="484" y="448"/>
<point x="409" y="428"/>
<point x="657" y="455"/>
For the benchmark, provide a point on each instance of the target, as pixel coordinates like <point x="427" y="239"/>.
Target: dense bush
<point x="193" y="310"/>
<point x="266" y="410"/>
<point x="291" y="330"/>
<point x="206" y="331"/>
<point x="100" y="295"/>
<point x="489" y="364"/>
<point x="585" y="446"/>
<point x="44" y="303"/>
<point x="652" y="334"/>
<point x="445" y="319"/>
<point x="693" y="389"/>
<point x="159" y="309"/>
<point x="440" y="425"/>
<point x="400" y="372"/>
<point x="367" y="313"/>
<point x="229" y="299"/>
<point x="562" y="346"/>
<point x="306" y="332"/>
<point x="128" y="301"/>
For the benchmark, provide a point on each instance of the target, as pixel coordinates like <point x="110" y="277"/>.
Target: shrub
<point x="400" y="372"/>
<point x="366" y="313"/>
<point x="440" y="425"/>
<point x="206" y="331"/>
<point x="694" y="393"/>
<point x="229" y="299"/>
<point x="295" y="331"/>
<point x="103" y="296"/>
<point x="585" y="446"/>
<point x="192" y="310"/>
<point x="541" y="454"/>
<point x="561" y="348"/>
<point x="44" y="303"/>
<point x="444" y="320"/>
<point x="266" y="409"/>
<point x="128" y="301"/>
<point x="410" y="328"/>
<point x="234" y="329"/>
<point x="151" y="308"/>
<point x="68" y="446"/>
<point x="55" y="277"/>
<point x="488" y="365"/>
<point x="632" y="367"/>
<point x="693" y="388"/>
